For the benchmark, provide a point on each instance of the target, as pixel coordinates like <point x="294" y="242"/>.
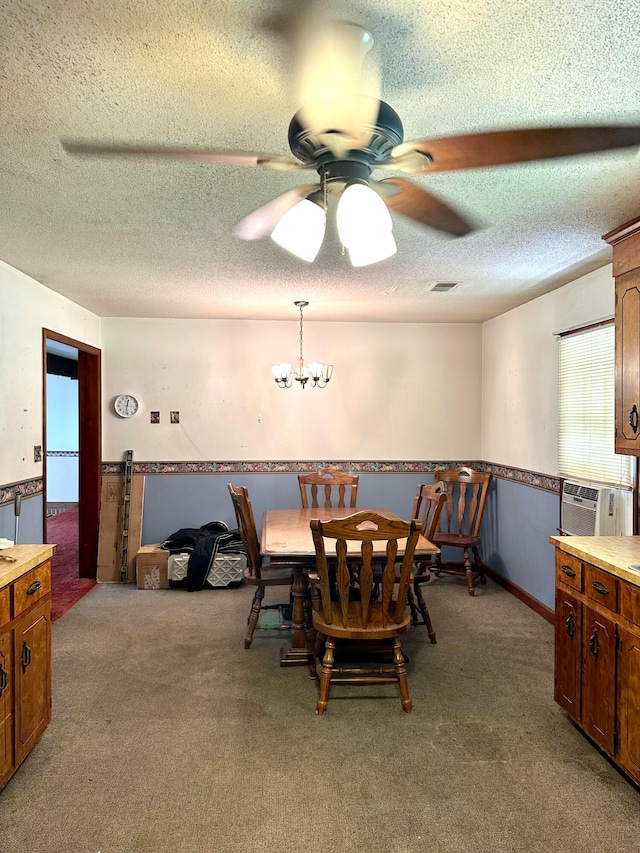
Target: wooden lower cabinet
<point x="25" y="654"/>
<point x="32" y="665"/>
<point x="568" y="653"/>
<point x="597" y="656"/>
<point x="599" y="678"/>
<point x="629" y="703"/>
<point x="6" y="707"/>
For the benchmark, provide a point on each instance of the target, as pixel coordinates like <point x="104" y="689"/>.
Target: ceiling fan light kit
<point x="301" y="230"/>
<point x="317" y="373"/>
<point x="364" y="225"/>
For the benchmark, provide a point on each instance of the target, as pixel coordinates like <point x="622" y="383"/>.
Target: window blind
<point x="587" y="409"/>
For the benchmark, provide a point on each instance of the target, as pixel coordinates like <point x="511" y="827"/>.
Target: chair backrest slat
<point x="333" y="483"/>
<point x="427" y="506"/>
<point x="246" y="526"/>
<point x="367" y="528"/>
<point x="343" y="577"/>
<point x="466" y="493"/>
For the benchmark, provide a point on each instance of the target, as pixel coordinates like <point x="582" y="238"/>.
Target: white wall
<point x="399" y="392"/>
<point x="520" y="371"/>
<point x="26" y="307"/>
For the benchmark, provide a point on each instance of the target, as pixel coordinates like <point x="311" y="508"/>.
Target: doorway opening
<point x="71" y="464"/>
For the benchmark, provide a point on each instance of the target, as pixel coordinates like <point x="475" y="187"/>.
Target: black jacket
<point x="203" y="544"/>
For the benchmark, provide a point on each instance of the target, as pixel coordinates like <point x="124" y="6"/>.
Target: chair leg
<point x="478" y="564"/>
<point x="401" y="674"/>
<point x="412" y="607"/>
<point x="254" y="614"/>
<point x="469" y="572"/>
<point x="325" y="676"/>
<point x="425" y="612"/>
<point x="315" y="653"/>
<point x="436" y="567"/>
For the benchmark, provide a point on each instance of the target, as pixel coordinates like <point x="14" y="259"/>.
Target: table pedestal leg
<point x="298" y="654"/>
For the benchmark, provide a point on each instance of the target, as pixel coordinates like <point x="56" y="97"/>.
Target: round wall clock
<point x="126" y="405"/>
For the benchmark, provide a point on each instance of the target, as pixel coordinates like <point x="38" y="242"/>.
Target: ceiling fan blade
<point x="412" y="201"/>
<point x="338" y="78"/>
<point x="502" y="147"/>
<point x="262" y="221"/>
<point x="190" y="155"/>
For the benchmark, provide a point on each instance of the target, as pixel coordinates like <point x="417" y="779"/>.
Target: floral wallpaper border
<point x="28" y="489"/>
<point x="518" y="475"/>
<point x="31" y="488"/>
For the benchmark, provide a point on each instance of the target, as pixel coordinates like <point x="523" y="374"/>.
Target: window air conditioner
<point x="589" y="510"/>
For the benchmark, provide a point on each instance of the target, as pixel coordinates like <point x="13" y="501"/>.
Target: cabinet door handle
<point x="4" y="680"/>
<point x="594" y="644"/>
<point x="34" y="586"/>
<point x="600" y="588"/>
<point x="568" y="571"/>
<point x="570" y="625"/>
<point x="633" y="418"/>
<point x="26" y="656"/>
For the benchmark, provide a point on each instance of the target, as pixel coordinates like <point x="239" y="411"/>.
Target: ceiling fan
<point x="344" y="132"/>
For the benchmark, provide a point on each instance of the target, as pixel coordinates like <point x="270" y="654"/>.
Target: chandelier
<point x="317" y="373"/>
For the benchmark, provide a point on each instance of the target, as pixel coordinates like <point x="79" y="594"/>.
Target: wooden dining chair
<point x="427" y="506"/>
<point x="347" y="616"/>
<point x="258" y="573"/>
<point x="460" y="525"/>
<point x="337" y="487"/>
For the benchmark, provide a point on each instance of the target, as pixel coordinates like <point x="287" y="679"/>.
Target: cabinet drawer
<point x="31" y="588"/>
<point x="5" y="612"/>
<point x="568" y="570"/>
<point x="601" y="587"/>
<point x="630" y="603"/>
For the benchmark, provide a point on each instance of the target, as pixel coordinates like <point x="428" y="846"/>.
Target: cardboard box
<point x="152" y="567"/>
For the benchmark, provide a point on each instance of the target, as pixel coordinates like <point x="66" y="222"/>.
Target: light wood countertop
<point x="614" y="554"/>
<point x="26" y="558"/>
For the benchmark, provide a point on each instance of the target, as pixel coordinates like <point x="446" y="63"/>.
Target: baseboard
<point x="541" y="609"/>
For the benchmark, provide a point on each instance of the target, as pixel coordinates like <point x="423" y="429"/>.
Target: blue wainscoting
<point x="173" y="501"/>
<point x="30" y="524"/>
<point x="515" y="537"/>
<point x="521" y="513"/>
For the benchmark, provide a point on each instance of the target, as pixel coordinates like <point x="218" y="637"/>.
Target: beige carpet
<point x="168" y="736"/>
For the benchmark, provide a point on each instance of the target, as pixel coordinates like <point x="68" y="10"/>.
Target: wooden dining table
<point x="286" y="536"/>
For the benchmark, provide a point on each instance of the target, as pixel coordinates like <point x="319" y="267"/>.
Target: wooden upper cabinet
<point x="628" y="363"/>
<point x="626" y="269"/>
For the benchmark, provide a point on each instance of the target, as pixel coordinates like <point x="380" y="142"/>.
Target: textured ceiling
<point x="154" y="239"/>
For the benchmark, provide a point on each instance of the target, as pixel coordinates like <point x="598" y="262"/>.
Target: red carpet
<point x="66" y="586"/>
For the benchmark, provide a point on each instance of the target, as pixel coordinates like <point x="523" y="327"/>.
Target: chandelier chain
<point x="301" y="310"/>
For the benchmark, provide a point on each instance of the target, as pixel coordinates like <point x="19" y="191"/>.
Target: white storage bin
<point x="226" y="569"/>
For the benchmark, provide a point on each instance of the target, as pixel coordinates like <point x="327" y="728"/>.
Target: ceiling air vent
<point x="443" y="286"/>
